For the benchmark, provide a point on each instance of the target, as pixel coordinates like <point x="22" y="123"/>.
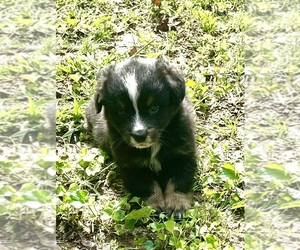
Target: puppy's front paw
<point x="176" y="203"/>
<point x="156" y="200"/>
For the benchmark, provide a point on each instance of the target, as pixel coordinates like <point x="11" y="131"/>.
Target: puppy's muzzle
<point x="139" y="135"/>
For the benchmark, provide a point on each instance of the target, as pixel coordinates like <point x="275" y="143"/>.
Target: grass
<point x="272" y="164"/>
<point x="205" y="40"/>
<point x="27" y="140"/>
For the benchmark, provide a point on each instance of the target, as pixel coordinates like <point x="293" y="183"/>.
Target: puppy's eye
<point x="153" y="109"/>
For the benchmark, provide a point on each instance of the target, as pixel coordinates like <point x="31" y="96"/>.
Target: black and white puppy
<point x="141" y="117"/>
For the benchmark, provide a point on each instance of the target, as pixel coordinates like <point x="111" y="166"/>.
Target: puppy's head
<point x="140" y="97"/>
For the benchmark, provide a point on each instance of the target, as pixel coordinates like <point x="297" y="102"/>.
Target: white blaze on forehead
<point x="132" y="87"/>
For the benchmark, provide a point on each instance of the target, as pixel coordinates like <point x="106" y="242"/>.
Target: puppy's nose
<point x="139" y="135"/>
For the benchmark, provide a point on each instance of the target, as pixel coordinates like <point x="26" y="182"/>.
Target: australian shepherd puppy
<point x="141" y="117"/>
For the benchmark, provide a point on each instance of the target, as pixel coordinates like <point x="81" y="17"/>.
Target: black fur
<point x="161" y="172"/>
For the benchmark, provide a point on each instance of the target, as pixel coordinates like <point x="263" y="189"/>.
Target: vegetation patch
<point x="27" y="125"/>
<point x="271" y="131"/>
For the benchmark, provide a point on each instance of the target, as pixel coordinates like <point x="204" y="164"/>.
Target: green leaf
<point x="144" y="212"/>
<point x="41" y="195"/>
<point x="174" y="241"/>
<point x="7" y="190"/>
<point x="28" y="187"/>
<point x="31" y="77"/>
<point x="156" y="226"/>
<point x="277" y="171"/>
<point x="129" y="223"/>
<point x="251" y="242"/>
<point x="170" y="225"/>
<point x="135" y="199"/>
<point x="60" y="190"/>
<point x="120" y="229"/>
<point x="35" y="199"/>
<point x="83" y="163"/>
<point x="20" y="134"/>
<point x="92" y="170"/>
<point x="82" y="195"/>
<point x="230" y="172"/>
<point x="162" y="236"/>
<point x="69" y="134"/>
<point x="292" y="204"/>
<point x="75" y="77"/>
<point x="106" y="214"/>
<point x="72" y="21"/>
<point x="209" y="238"/>
<point x="140" y="240"/>
<point x="25" y="21"/>
<point x="190" y="83"/>
<point x="119" y="215"/>
<point x="149" y="245"/>
<point x="73" y="187"/>
<point x="136" y="215"/>
<point x="238" y="205"/>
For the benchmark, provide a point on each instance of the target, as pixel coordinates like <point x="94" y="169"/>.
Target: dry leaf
<point x="157" y="2"/>
<point x="132" y="51"/>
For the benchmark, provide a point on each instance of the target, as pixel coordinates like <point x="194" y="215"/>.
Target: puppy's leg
<point x="141" y="182"/>
<point x="156" y="200"/>
<point x="178" y="193"/>
<point x="176" y="202"/>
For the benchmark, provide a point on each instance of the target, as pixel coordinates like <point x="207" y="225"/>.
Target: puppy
<point x="141" y="117"/>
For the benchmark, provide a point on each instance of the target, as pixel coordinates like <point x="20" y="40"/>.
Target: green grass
<point x="272" y="136"/>
<point x="205" y="39"/>
<point x="27" y="161"/>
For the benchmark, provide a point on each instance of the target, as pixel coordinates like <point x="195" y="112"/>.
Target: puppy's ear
<point x="101" y="78"/>
<point x="168" y="74"/>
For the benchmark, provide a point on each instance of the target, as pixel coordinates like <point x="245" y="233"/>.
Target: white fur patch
<point x="132" y="87"/>
<point x="138" y="125"/>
